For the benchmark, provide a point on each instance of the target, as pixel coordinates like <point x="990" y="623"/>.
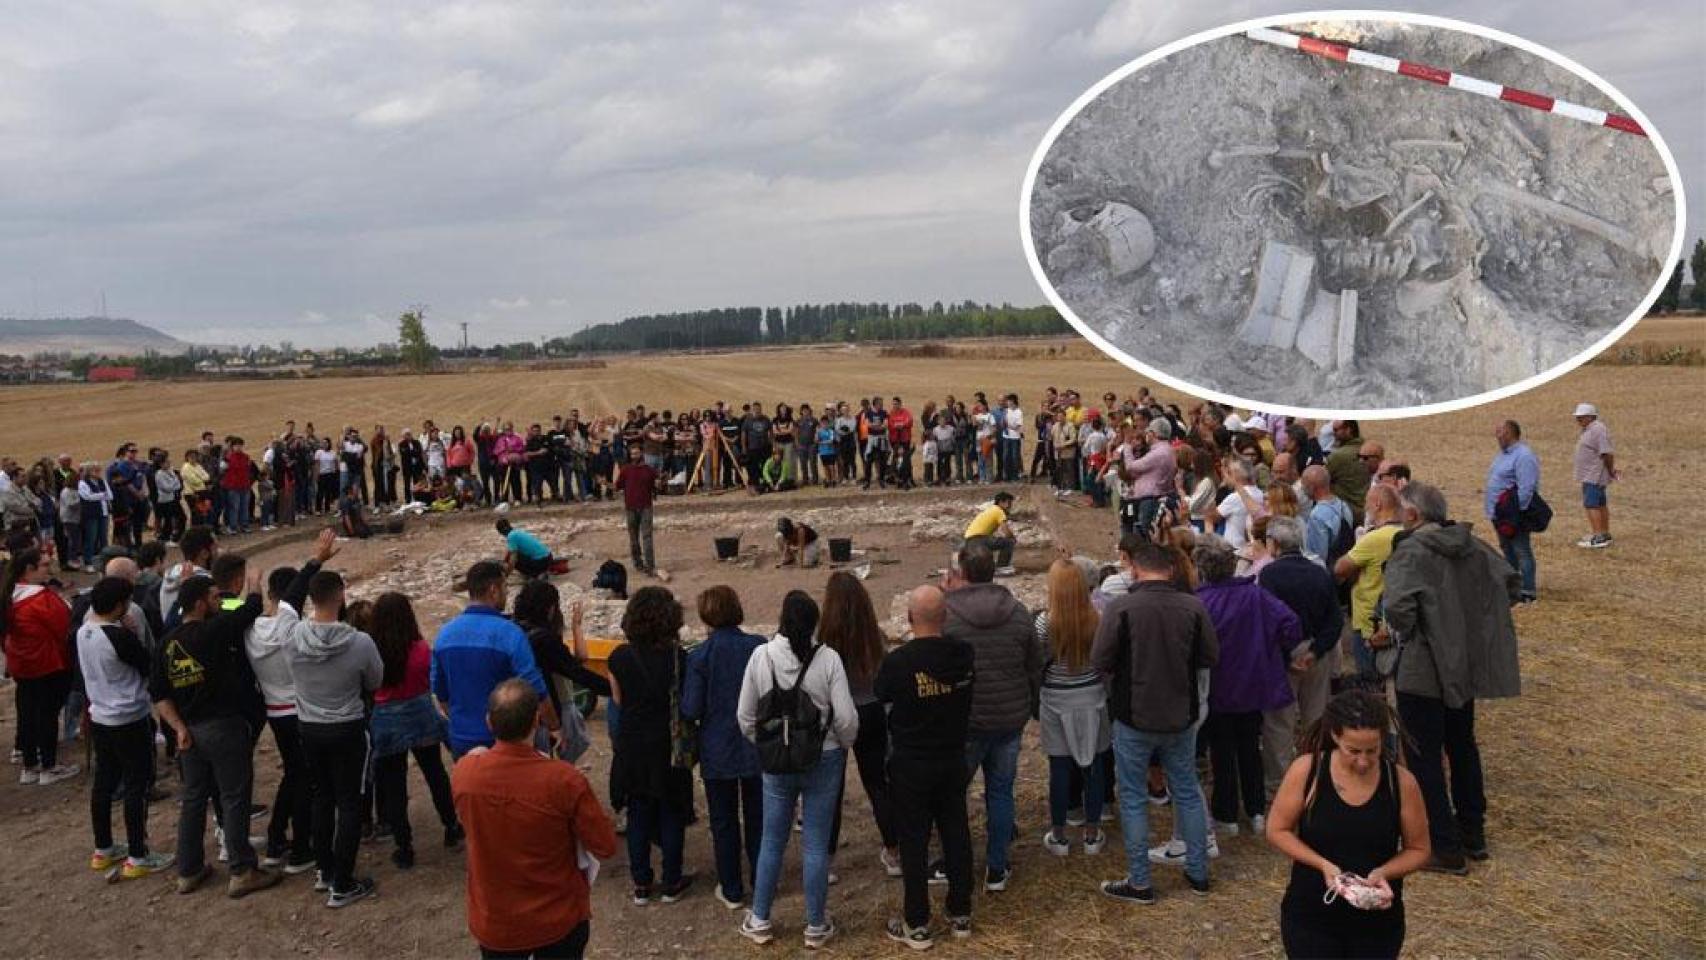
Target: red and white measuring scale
<point x="1445" y="78"/>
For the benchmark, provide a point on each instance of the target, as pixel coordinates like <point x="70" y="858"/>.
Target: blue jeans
<point x="998" y="756"/>
<point x="1060" y="790"/>
<point x="237" y="510"/>
<point x="1010" y="459"/>
<point x="817" y="790"/>
<point x="726" y="801"/>
<point x="1519" y="553"/>
<point x="94" y="540"/>
<point x="1178" y="755"/>
<point x="1363" y="655"/>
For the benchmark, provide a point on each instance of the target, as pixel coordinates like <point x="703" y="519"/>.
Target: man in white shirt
<point x="1245" y="503"/>
<point x="1012" y="437"/>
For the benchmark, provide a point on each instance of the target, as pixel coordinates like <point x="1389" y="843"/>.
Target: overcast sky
<point x="258" y="171"/>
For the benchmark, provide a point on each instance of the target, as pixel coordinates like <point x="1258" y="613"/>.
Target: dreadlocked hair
<point x="1354" y="709"/>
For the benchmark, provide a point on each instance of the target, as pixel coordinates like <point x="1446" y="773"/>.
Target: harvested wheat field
<point x="1596" y="775"/>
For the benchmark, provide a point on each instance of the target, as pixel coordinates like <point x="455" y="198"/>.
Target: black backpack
<point x="790" y="729"/>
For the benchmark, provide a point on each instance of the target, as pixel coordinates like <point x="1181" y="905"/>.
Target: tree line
<point x="812" y="323"/>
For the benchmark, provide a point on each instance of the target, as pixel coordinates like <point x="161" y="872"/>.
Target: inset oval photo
<point x="1372" y="217"/>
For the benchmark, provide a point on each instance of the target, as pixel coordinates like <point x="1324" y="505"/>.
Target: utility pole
<point x="465" y="338"/>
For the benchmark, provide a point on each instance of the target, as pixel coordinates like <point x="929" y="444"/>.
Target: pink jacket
<point x="509" y="448"/>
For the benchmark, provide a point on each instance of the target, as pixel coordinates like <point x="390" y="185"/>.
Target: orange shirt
<point x="524" y="814"/>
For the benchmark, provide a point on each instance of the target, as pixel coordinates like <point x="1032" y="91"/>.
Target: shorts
<point x="828" y="459"/>
<point x="1593" y="495"/>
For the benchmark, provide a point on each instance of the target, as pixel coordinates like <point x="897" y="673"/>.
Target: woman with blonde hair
<point x="1281" y="500"/>
<point x="1074" y="707"/>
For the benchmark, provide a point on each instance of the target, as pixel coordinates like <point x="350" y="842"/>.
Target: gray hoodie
<point x="171" y="582"/>
<point x="333" y="665"/>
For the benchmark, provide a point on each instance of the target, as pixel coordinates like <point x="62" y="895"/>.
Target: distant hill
<point x="79" y="336"/>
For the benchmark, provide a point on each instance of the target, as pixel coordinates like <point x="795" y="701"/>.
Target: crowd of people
<point x="1291" y="616"/>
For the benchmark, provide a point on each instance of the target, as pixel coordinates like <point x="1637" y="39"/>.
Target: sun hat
<point x="1586" y="410"/>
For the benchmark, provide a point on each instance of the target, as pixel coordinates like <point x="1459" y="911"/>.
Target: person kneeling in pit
<point x="991" y="526"/>
<point x="798" y="543"/>
<point x="524" y="552"/>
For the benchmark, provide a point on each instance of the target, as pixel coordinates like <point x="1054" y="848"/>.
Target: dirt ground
<point x="1596" y="775"/>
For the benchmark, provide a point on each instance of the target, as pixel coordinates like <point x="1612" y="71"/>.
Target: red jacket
<point x="239" y="471"/>
<point x="900" y="426"/>
<point x="37" y="633"/>
<point x="526" y="815"/>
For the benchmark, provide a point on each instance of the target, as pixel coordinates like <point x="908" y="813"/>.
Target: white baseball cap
<point x="1586" y="410"/>
<point x="1233" y="423"/>
<point x="1256" y="422"/>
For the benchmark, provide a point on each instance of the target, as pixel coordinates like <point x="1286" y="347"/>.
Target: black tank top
<point x="1357" y="839"/>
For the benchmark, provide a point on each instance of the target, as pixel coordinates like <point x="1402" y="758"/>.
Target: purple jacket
<point x="1256" y="630"/>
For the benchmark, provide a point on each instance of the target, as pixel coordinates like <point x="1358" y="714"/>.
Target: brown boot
<point x="243" y="884"/>
<point x="193" y="882"/>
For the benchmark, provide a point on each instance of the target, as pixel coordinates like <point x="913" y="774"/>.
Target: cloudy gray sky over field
<point x="305" y="170"/>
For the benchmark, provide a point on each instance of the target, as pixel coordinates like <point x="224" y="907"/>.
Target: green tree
<point x="1668" y="299"/>
<point x="412" y="343"/>
<point x="1697" y="266"/>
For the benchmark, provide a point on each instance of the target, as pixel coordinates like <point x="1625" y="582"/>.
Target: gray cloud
<point x="309" y="169"/>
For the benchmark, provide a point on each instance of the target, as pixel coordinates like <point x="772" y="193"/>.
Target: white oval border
<point x="1379" y="413"/>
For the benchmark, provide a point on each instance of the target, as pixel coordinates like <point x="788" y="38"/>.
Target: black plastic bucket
<point x="728" y="548"/>
<point x="840" y="549"/>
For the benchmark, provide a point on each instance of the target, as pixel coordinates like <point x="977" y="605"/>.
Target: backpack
<point x="1343" y="539"/>
<point x="790" y="728"/>
<point x="612" y="576"/>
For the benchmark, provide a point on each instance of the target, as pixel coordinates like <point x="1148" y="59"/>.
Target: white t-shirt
<point x="1015" y="426"/>
<point x="1237" y="519"/>
<point x="326" y="462"/>
<point x="985" y="425"/>
<point x="1094" y="442"/>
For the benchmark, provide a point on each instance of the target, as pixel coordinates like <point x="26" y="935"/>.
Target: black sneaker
<point x="1452" y="862"/>
<point x="939" y="873"/>
<point x="404" y="858"/>
<point x="1123" y="890"/>
<point x="673" y="892"/>
<point x="960" y="927"/>
<point x="994" y="881"/>
<point x="918" y="938"/>
<point x="453" y="836"/>
<point x="642" y="894"/>
<point x="1198" y="887"/>
<point x="361" y="888"/>
<point x="258" y="811"/>
<point x="1475" y="845"/>
<point x="295" y="864"/>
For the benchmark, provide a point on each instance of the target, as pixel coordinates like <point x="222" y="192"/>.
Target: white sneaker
<point x="891" y="865"/>
<point x="1221" y="826"/>
<point x="1586" y="541"/>
<point x="29" y="776"/>
<point x="64" y="771"/>
<point x="1258" y="826"/>
<point x="1056" y="845"/>
<point x="1172" y="853"/>
<point x="816" y="937"/>
<point x="1093" y="843"/>
<point x="758" y="931"/>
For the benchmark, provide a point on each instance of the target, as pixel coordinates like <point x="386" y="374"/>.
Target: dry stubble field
<point x="1596" y="775"/>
